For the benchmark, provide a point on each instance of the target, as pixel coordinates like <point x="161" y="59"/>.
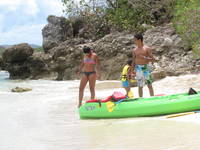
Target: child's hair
<point x="129" y="62"/>
<point x="86" y="49"/>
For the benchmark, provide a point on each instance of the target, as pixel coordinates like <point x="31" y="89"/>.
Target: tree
<point x="89" y="15"/>
<point x="120" y="15"/>
<point x="74" y="8"/>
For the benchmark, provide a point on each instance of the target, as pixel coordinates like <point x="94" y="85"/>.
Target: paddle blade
<point x="110" y="106"/>
<point x="130" y="94"/>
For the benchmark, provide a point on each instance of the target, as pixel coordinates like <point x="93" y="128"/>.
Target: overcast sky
<point x="22" y="20"/>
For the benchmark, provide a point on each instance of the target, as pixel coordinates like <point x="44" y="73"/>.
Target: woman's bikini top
<point x="89" y="61"/>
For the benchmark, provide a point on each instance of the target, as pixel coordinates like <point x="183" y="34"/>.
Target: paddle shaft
<point x="182" y="114"/>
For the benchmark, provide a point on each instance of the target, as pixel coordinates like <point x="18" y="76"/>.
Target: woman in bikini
<point x="90" y="72"/>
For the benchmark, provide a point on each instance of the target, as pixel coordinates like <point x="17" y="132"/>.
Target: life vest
<point x="124" y="73"/>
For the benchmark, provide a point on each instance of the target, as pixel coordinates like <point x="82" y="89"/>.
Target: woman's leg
<point x="83" y="83"/>
<point x="92" y="82"/>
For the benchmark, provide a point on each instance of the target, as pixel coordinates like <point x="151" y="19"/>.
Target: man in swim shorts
<point x="142" y="56"/>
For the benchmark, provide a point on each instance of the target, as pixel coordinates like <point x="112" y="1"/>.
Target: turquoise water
<point x="47" y="118"/>
<point x="4" y="81"/>
<point x="4" y="76"/>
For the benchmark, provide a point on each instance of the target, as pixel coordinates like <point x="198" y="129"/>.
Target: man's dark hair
<point x="129" y="62"/>
<point x="139" y="36"/>
<point x="86" y="49"/>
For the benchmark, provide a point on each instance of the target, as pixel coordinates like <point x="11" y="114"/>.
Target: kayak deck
<point x="142" y="107"/>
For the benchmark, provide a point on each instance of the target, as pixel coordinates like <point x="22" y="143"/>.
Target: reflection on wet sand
<point x="102" y="85"/>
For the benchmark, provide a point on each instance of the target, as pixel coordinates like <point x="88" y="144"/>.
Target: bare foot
<point x="79" y="105"/>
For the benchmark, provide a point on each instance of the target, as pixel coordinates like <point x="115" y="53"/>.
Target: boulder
<point x="15" y="60"/>
<point x="22" y="63"/>
<point x="17" y="53"/>
<point x="39" y="65"/>
<point x="18" y="70"/>
<point x="157" y="75"/>
<point x="20" y="89"/>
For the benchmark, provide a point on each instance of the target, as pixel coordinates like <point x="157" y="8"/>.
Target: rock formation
<point x="1" y="63"/>
<point x="175" y="57"/>
<point x="56" y="31"/>
<point x="21" y="62"/>
<point x="61" y="59"/>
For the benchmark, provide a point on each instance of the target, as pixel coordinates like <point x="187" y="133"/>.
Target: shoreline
<point x="105" y="88"/>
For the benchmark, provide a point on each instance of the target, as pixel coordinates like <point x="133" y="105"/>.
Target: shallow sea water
<point x="47" y="118"/>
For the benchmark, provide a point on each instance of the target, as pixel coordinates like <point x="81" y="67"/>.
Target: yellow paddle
<point x="130" y="94"/>
<point x="180" y="114"/>
<point x="110" y="105"/>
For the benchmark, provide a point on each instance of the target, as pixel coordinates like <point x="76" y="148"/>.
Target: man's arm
<point x="150" y="55"/>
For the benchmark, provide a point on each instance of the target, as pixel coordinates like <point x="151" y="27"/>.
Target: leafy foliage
<point x="1" y="50"/>
<point x="88" y="15"/>
<point x="39" y="49"/>
<point x="130" y="15"/>
<point x="187" y="22"/>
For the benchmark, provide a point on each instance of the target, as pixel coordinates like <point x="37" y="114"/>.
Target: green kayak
<point x="141" y="107"/>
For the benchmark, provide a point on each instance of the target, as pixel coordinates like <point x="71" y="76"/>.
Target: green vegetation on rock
<point x="128" y="16"/>
<point x="1" y="50"/>
<point x="121" y="15"/>
<point x="39" y="49"/>
<point x="187" y="22"/>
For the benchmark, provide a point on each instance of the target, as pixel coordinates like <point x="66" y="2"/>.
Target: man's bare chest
<point x="140" y="52"/>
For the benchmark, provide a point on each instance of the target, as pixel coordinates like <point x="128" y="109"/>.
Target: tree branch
<point x="111" y="4"/>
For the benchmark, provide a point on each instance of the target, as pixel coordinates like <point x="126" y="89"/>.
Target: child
<point x="126" y="78"/>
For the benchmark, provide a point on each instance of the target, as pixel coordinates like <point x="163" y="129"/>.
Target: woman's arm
<point x="98" y="67"/>
<point x="81" y="67"/>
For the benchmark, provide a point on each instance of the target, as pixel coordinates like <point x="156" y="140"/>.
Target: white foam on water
<point x="47" y="118"/>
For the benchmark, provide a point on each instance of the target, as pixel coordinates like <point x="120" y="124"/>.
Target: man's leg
<point x="140" y="91"/>
<point x="151" y="91"/>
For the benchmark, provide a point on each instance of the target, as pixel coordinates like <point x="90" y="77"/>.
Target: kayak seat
<point x="192" y="91"/>
<point x="114" y="97"/>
